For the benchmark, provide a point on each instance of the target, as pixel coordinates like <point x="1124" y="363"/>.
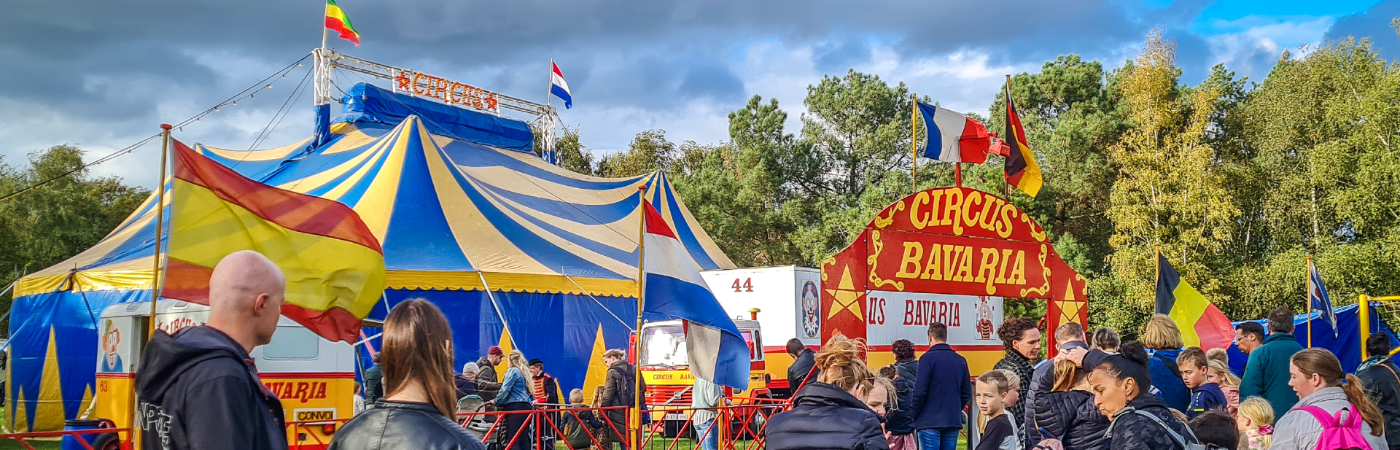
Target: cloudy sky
<point x="103" y="75"/>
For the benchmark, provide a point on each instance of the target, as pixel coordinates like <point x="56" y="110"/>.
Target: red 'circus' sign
<point x="954" y="241"/>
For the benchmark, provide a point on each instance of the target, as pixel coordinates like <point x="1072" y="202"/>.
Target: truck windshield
<point x="663" y="346"/>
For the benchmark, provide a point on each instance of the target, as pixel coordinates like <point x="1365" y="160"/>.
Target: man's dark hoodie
<point x="199" y="390"/>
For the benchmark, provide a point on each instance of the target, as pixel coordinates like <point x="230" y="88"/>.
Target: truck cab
<point x="314" y="377"/>
<point x="665" y="366"/>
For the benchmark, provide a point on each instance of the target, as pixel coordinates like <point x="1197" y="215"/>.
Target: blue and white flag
<point x="558" y="86"/>
<point x="1317" y="297"/>
<point x="673" y="289"/>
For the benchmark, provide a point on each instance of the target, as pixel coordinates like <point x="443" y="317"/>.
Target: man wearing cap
<point x="486" y="378"/>
<point x="1069" y="336"/>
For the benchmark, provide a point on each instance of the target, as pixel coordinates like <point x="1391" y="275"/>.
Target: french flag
<point x="672" y="289"/>
<point x="558" y="86"/>
<point x="953" y="137"/>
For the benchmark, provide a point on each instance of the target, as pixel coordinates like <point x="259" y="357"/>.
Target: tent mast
<point x="160" y="227"/>
<point x="636" y="414"/>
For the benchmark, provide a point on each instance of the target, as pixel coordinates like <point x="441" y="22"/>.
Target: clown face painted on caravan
<point x="313" y="377"/>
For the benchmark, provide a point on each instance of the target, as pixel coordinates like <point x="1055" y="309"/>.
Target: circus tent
<point x="516" y="252"/>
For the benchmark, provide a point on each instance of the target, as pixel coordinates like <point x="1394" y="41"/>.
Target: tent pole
<point x="497" y="306"/>
<point x="641" y="304"/>
<point x="1364" y="306"/>
<point x="160" y="228"/>
<point x="914" y="145"/>
<point x="1308" y="296"/>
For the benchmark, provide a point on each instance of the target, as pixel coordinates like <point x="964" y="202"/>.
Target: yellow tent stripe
<point x="139" y="279"/>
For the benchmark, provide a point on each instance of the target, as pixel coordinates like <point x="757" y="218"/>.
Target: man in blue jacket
<point x="1266" y="374"/>
<point x="942" y="389"/>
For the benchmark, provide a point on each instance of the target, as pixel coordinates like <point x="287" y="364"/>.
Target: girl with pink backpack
<point x="1332" y="412"/>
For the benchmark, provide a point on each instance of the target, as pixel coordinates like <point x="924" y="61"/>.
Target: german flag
<point x="1021" y="170"/>
<point x="338" y="21"/>
<point x="1201" y="323"/>
<point x="334" y="266"/>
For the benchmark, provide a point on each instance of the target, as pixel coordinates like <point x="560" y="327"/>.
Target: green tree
<point x="855" y="137"/>
<point x="648" y="152"/>
<point x="44" y="226"/>
<point x="1171" y="192"/>
<point x="572" y="154"/>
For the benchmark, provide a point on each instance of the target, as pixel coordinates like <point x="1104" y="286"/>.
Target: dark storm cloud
<point x="836" y="57"/>
<point x="58" y="44"/>
<point x="713" y="80"/>
<point x="120" y="65"/>
<point x="1374" y="24"/>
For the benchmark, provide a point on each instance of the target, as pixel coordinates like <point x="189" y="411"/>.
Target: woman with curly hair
<point x="1022" y="341"/>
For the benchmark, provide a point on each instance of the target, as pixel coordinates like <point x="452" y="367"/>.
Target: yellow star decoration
<point x="1069" y="306"/>
<point x="847" y="299"/>
<point x="1069" y="310"/>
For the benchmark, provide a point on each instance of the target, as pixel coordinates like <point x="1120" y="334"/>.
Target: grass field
<point x="8" y="444"/>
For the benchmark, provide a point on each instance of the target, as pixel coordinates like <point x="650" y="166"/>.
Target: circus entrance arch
<point x="948" y="255"/>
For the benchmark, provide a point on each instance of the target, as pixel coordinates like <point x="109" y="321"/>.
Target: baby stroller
<point x="469" y="410"/>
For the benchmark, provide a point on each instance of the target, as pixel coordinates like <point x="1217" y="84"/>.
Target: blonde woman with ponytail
<point x="830" y="412"/>
<point x="1316" y="375"/>
<point x="515" y="396"/>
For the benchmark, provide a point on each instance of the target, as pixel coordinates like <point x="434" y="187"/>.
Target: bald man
<point x="198" y="389"/>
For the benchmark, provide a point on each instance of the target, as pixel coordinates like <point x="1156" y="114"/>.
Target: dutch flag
<point x="558" y="86"/>
<point x="673" y="289"/>
<point x="953" y="137"/>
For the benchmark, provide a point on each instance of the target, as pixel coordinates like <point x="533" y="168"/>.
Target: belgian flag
<point x="1201" y="323"/>
<point x="1021" y="170"/>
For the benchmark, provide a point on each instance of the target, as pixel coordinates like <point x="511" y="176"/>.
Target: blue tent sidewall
<point x="1346" y="344"/>
<point x="70" y="318"/>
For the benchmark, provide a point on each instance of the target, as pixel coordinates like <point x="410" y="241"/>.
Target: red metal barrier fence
<point x="98" y="437"/>
<point x="738" y="426"/>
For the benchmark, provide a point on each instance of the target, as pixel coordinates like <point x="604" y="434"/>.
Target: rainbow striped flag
<point x="334" y="266"/>
<point x="338" y="21"/>
<point x="1201" y="323"/>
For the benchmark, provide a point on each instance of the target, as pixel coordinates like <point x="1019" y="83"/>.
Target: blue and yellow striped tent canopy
<point x="513" y="249"/>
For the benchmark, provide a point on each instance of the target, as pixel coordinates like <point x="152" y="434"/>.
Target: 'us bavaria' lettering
<point x="924" y="312"/>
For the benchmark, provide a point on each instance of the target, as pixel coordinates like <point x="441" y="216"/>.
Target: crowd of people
<point x="198" y="389"/>
<point x="1098" y="393"/>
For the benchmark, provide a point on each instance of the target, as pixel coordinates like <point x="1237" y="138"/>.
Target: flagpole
<point x="914" y="144"/>
<point x="636" y="415"/>
<point x="549" y="89"/>
<point x="160" y="227"/>
<point x="1157" y="262"/>
<point x="1309" y="301"/>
